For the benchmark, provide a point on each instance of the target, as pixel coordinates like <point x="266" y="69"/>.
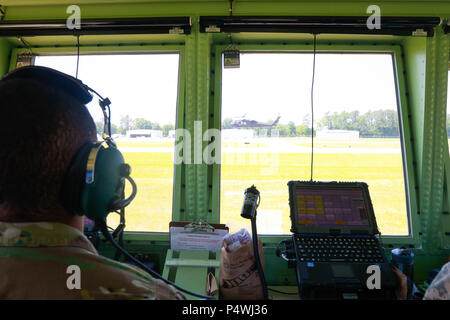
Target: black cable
<point x="278" y="251"/>
<point x="231" y="14"/>
<point x="106" y="110"/>
<point x="78" y="55"/>
<point x="2" y="12"/>
<point x="258" y="260"/>
<point x="104" y="229"/>
<point x="312" y="108"/>
<point x="109" y="119"/>
<point x="118" y="252"/>
<point x="122" y="223"/>
<point x="26" y="44"/>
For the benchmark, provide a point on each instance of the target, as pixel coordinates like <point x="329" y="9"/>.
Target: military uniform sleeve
<point x="439" y="289"/>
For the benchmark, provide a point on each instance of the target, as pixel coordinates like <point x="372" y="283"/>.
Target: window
<point x="143" y="91"/>
<point x="266" y="133"/>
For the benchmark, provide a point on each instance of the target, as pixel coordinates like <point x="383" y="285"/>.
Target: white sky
<point x="145" y="85"/>
<point x="268" y="84"/>
<point x="140" y="85"/>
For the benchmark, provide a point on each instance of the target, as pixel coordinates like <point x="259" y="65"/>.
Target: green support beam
<point x="435" y="140"/>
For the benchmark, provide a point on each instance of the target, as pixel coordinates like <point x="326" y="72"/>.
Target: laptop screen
<point x="321" y="206"/>
<point x="331" y="207"/>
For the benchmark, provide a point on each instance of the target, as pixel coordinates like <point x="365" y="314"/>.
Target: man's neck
<point x="76" y="222"/>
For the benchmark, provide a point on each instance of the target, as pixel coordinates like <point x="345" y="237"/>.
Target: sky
<point x="140" y="85"/>
<point x="265" y="85"/>
<point x="270" y="84"/>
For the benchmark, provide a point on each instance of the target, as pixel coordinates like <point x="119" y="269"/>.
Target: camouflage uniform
<point x="34" y="261"/>
<point x="439" y="289"/>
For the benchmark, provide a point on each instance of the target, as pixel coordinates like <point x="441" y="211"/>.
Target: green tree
<point x="226" y="123"/>
<point x="114" y="128"/>
<point x="141" y="123"/>
<point x="291" y="129"/>
<point x="155" y="125"/>
<point x="283" y="129"/>
<point x="302" y="130"/>
<point x="166" y="128"/>
<point x="379" y="123"/>
<point x="99" y="127"/>
<point x="126" y="123"/>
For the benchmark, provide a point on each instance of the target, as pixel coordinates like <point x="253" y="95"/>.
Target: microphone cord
<point x="258" y="260"/>
<point x="78" y="55"/>
<point x="312" y="107"/>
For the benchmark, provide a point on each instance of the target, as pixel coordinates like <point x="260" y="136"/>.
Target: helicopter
<point x="247" y="123"/>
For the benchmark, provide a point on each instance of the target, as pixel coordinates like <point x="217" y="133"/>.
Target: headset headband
<point x="69" y="84"/>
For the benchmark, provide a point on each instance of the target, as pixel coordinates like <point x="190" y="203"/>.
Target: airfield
<point x="268" y="163"/>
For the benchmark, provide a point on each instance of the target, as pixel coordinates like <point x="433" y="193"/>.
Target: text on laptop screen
<point x="331" y="207"/>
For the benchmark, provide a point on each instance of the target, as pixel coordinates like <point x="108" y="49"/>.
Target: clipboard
<point x="196" y="235"/>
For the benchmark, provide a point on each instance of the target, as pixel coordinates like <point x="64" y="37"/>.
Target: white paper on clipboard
<point x="183" y="237"/>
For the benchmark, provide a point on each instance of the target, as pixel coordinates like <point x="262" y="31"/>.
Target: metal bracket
<point x="419" y="33"/>
<point x="176" y="30"/>
<point x="212" y="28"/>
<point x="25" y="59"/>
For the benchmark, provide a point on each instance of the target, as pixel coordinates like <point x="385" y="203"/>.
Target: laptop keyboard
<point x="338" y="249"/>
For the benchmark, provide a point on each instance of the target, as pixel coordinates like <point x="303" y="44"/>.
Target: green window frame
<point x="396" y="51"/>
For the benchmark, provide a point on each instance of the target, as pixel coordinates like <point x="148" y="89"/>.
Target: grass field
<point x="269" y="163"/>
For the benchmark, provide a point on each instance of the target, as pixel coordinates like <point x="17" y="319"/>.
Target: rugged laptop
<point x="336" y="244"/>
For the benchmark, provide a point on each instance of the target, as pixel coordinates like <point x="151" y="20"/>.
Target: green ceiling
<point x="56" y="9"/>
<point x="47" y="9"/>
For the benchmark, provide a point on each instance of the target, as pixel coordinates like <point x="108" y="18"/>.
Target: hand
<point x="402" y="288"/>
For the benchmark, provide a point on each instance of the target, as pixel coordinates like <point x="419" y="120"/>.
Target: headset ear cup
<point x="74" y="180"/>
<point x="98" y="196"/>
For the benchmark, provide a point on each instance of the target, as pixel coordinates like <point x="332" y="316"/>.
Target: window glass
<point x="143" y="91"/>
<point x="266" y="133"/>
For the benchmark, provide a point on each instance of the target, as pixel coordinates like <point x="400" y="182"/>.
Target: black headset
<point x="95" y="180"/>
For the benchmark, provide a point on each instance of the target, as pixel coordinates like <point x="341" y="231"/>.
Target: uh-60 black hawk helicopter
<point x="247" y="123"/>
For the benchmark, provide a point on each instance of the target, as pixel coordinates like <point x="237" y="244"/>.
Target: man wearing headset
<point x="43" y="251"/>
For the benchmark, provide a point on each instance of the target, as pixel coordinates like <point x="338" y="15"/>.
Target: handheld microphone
<point x="251" y="203"/>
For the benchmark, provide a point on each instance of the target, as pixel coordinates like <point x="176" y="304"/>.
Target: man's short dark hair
<point x="41" y="128"/>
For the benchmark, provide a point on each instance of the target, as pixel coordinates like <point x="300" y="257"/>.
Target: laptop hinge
<point x="335" y="232"/>
<point x="359" y="232"/>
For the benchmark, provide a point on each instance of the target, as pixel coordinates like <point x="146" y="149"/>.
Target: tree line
<point x="127" y="123"/>
<point x="379" y="123"/>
